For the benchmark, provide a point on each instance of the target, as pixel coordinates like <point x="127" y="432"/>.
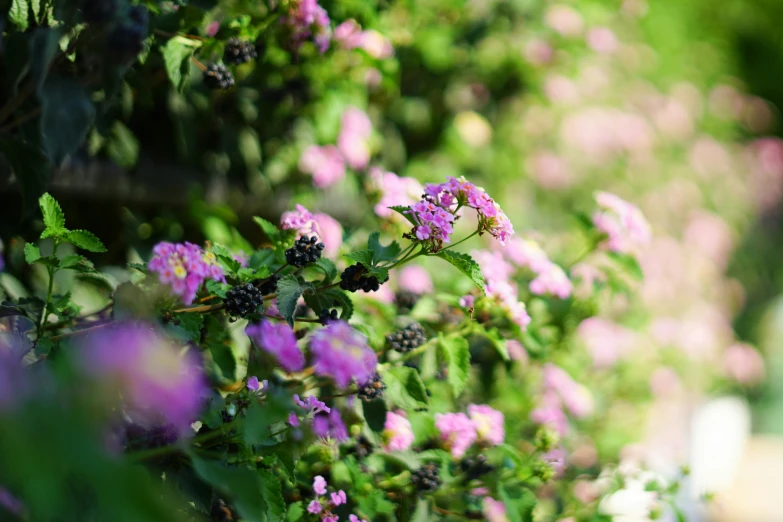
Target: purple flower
<point x="330" y="426"/>
<point x="488" y="423"/>
<point x="314" y="507"/>
<point x="185" y="267"/>
<point x="456" y="431"/>
<point x="339" y="498"/>
<point x="397" y="432"/>
<point x="319" y="485"/>
<point x="312" y="404"/>
<point x="330" y="518"/>
<point x="278" y="340"/>
<point x="354" y="518"/>
<point x="10" y="503"/>
<point x="342" y="353"/>
<point x="253" y="384"/>
<point x="308" y="19"/>
<point x="293" y="420"/>
<point x="325" y="164"/>
<point x="159" y="385"/>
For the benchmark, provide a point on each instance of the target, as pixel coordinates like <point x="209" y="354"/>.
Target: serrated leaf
<point x="78" y="263"/>
<point x="402" y="210"/>
<point x="272" y="491"/>
<point x="456" y="352"/>
<point x="327" y="267"/>
<point x="217" y="288"/>
<point x="344" y="300"/>
<point x="288" y="293"/>
<point x="361" y="256"/>
<point x="31" y="253"/>
<point x="269" y="228"/>
<point x="382" y="253"/>
<point x="17" y="14"/>
<point x="519" y="503"/>
<point x="85" y="240"/>
<point x="53" y="216"/>
<point x="240" y="484"/>
<point x="141" y="267"/>
<point x="176" y="58"/>
<point x="261" y="416"/>
<point x="465" y="264"/>
<point x="404" y="388"/>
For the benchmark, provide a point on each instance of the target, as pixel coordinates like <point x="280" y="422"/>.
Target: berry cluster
<point x="405" y="300"/>
<point x="372" y="389"/>
<point x="407" y="339"/>
<point x="426" y="478"/>
<point x="475" y="467"/>
<point x="269" y="286"/>
<point x="237" y="52"/>
<point x="97" y="11"/>
<point x="353" y="278"/>
<point x="306" y="250"/>
<point x="127" y="39"/>
<point x="217" y="76"/>
<point x="327" y="315"/>
<point x="243" y="300"/>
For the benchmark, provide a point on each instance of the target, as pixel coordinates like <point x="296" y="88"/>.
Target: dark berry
<point x="372" y="389"/>
<point x="353" y="278"/>
<point x="217" y="76"/>
<point x="97" y="11"/>
<point x="363" y="448"/>
<point x="405" y="300"/>
<point x="221" y="512"/>
<point x="475" y="467"/>
<point x="237" y="52"/>
<point x="305" y="251"/>
<point x="407" y="339"/>
<point x="269" y="286"/>
<point x="127" y="41"/>
<point x="426" y="478"/>
<point x="243" y="300"/>
<point x="327" y="316"/>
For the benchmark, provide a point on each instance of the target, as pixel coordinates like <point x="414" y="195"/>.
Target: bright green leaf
<point x="464" y="264"/>
<point x="18" y="14"/>
<point x="382" y="253"/>
<point x="456" y="352"/>
<point x="271" y="231"/>
<point x="272" y="491"/>
<point x="404" y="388"/>
<point x="85" y="240"/>
<point x="361" y="256"/>
<point x="176" y="58"/>
<point x="403" y="212"/>
<point x="53" y="216"/>
<point x="31" y="253"/>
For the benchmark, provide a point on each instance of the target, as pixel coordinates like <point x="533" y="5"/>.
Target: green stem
<point x="460" y="241"/>
<point x="51" y="271"/>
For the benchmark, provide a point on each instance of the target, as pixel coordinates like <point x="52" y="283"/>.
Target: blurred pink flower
<point x="456" y="431"/>
<point x="564" y="20"/>
<point x="602" y="40"/>
<point x="376" y="45"/>
<point x="494" y="510"/>
<point x="395" y="191"/>
<point x="623" y="222"/>
<point x="277" y="339"/>
<point x="743" y="363"/>
<point x="664" y="382"/>
<point x="552" y="280"/>
<point x="353" y="141"/>
<point x="538" y="52"/>
<point x="212" y="29"/>
<point x="415" y="279"/>
<point x="607" y="342"/>
<point x="347" y="34"/>
<point x="397" y="432"/>
<point x="517" y="352"/>
<point x="550" y="171"/>
<point x="488" y="422"/>
<point x="330" y="233"/>
<point x="325" y="164"/>
<point x="561" y="90"/>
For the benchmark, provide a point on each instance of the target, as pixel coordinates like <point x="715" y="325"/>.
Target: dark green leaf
<point x="382" y="253"/>
<point x="344" y="301"/>
<point x="272" y="491"/>
<point x="85" y="240"/>
<point x="261" y="416"/>
<point x="67" y="116"/>
<point x="404" y="388"/>
<point x="240" y="484"/>
<point x="224" y="359"/>
<point x="123" y="146"/>
<point x="43" y="48"/>
<point x="217" y="288"/>
<point x="327" y="267"/>
<point x="78" y="263"/>
<point x="262" y="258"/>
<point x="288" y="293"/>
<point x="464" y="264"/>
<point x="456" y="352"/>
<point x="53" y="216"/>
<point x="361" y="256"/>
<point x="519" y="503"/>
<point x="176" y="58"/>
<point x="141" y="267"/>
<point x="271" y="231"/>
<point x="375" y="415"/>
<point x="402" y="211"/>
<point x="187" y="326"/>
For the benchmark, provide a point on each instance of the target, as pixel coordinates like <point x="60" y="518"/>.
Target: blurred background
<point x="671" y="104"/>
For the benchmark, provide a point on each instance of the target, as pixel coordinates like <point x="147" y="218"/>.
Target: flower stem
<point x="45" y="314"/>
<point x="460" y="241"/>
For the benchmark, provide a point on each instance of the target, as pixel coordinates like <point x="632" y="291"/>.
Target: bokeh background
<point x="671" y="104"/>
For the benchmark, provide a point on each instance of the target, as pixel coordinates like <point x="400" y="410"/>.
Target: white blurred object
<point x="720" y="433"/>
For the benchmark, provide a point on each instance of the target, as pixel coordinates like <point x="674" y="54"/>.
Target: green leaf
<point x="402" y="211"/>
<point x="31" y="253"/>
<point x="361" y="256"/>
<point x="296" y="512"/>
<point x="456" y="352"/>
<point x="380" y="252"/>
<point x="31" y="169"/>
<point x="519" y="503"/>
<point x="422" y="511"/>
<point x="224" y="359"/>
<point x="261" y="416"/>
<point x="123" y="147"/>
<point x="272" y="491"/>
<point x="78" y="263"/>
<point x="288" y="293"/>
<point x="344" y="301"/>
<point x="85" y="240"/>
<point x="53" y="216"/>
<point x="375" y="415"/>
<point x="43" y="48"/>
<point x="271" y="231"/>
<point x="68" y="113"/>
<point x="628" y="263"/>
<point x="327" y="267"/>
<point x="217" y="288"/>
<point x="187" y="326"/>
<point x="404" y="388"/>
<point x="18" y="14"/>
<point x="176" y="58"/>
<point x="464" y="264"/>
<point x="241" y="484"/>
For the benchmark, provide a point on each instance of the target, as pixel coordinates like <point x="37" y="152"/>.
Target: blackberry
<point x="426" y="478"/>
<point x="97" y="11"/>
<point x="475" y="467"/>
<point x="237" y="52"/>
<point x="372" y="389"/>
<point x="269" y="286"/>
<point x="407" y="339"/>
<point x="242" y="300"/>
<point x="327" y="316"/>
<point x="405" y="300"/>
<point x="221" y="512"/>
<point x="306" y="250"/>
<point x="353" y="279"/>
<point x="217" y="76"/>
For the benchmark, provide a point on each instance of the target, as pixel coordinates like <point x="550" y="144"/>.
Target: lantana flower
<point x="342" y="353"/>
<point x="184" y="267"/>
<point x="278" y="340"/>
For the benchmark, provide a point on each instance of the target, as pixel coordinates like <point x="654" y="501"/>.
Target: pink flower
<point x="415" y="279"/>
<point x="278" y="340"/>
<point x="311" y="404"/>
<point x="348" y="34"/>
<point x="557" y="459"/>
<point x="212" y="29"/>
<point x="744" y="364"/>
<point x="494" y="510"/>
<point x="325" y="164"/>
<point x="397" y="433"/>
<point x="602" y="40"/>
<point x="526" y="253"/>
<point x="185" y="267"/>
<point x="330" y="518"/>
<point x="343" y="354"/>
<point x="354" y="518"/>
<point x="307" y="19"/>
<point x="456" y="431"/>
<point x="339" y="498"/>
<point x="330" y="233"/>
<point x="508" y="296"/>
<point x="488" y="422"/>
<point x="301" y="220"/>
<point x="550" y="413"/>
<point x="606" y="341"/>
<point x="158" y="384"/>
<point x="552" y="280"/>
<point x="623" y="223"/>
<point x="576" y="398"/>
<point x="353" y="141"/>
<point x="319" y="485"/>
<point x="375" y="44"/>
<point x="314" y="507"/>
<point x="467" y="301"/>
<point x="564" y="20"/>
<point x="293" y="420"/>
<point x="394" y="190"/>
<point x="516" y="351"/>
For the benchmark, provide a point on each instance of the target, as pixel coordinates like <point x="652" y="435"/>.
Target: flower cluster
<point x="158" y="384"/>
<point x="459" y="431"/>
<point x="623" y="223"/>
<point x="560" y="390"/>
<point x="322" y="505"/>
<point x="308" y="19"/>
<point x="185" y="267"/>
<point x="323" y="226"/>
<point x="550" y="278"/>
<point x="278" y="340"/>
<point x="350" y="35"/>
<point x="342" y="353"/>
<point x="397" y="432"/>
<point x="497" y="273"/>
<point x="311" y="404"/>
<point x="330" y="426"/>
<point x="394" y="190"/>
